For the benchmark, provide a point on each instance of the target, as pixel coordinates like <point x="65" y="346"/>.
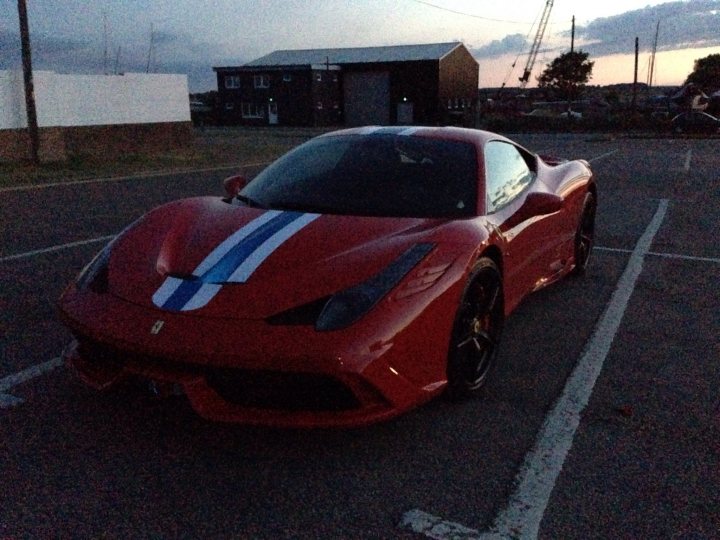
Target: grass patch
<point x="212" y="147"/>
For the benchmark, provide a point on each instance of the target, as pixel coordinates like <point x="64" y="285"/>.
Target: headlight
<point x="346" y="307"/>
<point x="95" y="275"/>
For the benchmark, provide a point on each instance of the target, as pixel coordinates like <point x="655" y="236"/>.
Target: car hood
<point x="208" y="258"/>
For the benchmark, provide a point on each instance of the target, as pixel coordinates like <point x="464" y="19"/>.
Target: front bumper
<point x="242" y="371"/>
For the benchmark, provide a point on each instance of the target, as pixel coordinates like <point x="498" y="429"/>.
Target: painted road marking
<point x="56" y="248"/>
<point x="602" y="156"/>
<point x="666" y="255"/>
<point x="138" y="176"/>
<point x="9" y="382"/>
<point x="688" y="159"/>
<point x="541" y="468"/>
<point x="434" y="527"/>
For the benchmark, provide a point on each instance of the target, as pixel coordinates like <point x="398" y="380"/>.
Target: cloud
<point x="682" y="25"/>
<point x="172" y="53"/>
<point x="513" y="43"/>
<point x="50" y="52"/>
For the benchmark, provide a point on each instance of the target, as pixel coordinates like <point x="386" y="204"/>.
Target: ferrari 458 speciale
<point x="358" y="276"/>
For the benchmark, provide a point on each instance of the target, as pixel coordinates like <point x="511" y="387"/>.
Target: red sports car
<point x="358" y="276"/>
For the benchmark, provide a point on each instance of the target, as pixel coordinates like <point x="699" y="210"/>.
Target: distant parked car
<point x="541" y="113"/>
<point x="572" y="114"/>
<point x="695" y="122"/>
<point x="199" y="107"/>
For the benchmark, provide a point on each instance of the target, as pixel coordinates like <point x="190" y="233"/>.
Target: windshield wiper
<point x="249" y="201"/>
<point x="312" y="209"/>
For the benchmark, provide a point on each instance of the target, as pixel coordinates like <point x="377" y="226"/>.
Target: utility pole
<point x="572" y="50"/>
<point x="29" y="87"/>
<point x="634" y="92"/>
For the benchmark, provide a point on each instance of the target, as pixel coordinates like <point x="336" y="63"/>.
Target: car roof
<point x="474" y="136"/>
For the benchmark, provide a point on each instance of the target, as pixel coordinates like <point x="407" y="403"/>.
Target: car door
<point x="523" y="227"/>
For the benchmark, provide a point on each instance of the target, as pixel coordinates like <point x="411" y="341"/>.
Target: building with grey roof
<point x="401" y="84"/>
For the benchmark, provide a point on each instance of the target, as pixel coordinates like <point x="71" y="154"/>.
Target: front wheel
<point x="476" y="332"/>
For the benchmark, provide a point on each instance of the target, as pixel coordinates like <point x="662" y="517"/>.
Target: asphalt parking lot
<point x="601" y="421"/>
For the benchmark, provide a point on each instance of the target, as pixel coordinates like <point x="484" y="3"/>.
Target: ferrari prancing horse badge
<point x="155" y="330"/>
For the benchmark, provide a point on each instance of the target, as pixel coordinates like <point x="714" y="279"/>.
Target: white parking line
<point x="602" y="156"/>
<point x="6" y="383"/>
<point x="55" y="248"/>
<point x="137" y="176"/>
<point x="666" y="255"/>
<point x="542" y="466"/>
<point x="688" y="159"/>
<point x="434" y="527"/>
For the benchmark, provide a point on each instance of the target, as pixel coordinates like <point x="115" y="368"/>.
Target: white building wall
<point x="12" y="100"/>
<point x="93" y="100"/>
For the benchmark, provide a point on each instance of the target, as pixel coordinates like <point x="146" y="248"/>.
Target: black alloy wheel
<point x="476" y="332"/>
<point x="585" y="235"/>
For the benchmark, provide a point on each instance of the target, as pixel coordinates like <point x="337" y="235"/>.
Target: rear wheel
<point x="585" y="235"/>
<point x="476" y="332"/>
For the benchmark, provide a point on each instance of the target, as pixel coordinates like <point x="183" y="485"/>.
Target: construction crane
<point x="536" y="44"/>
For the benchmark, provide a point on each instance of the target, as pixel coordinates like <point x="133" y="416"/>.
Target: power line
<point x="465" y="14"/>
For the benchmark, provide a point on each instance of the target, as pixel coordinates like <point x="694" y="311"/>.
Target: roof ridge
<point x="423" y="51"/>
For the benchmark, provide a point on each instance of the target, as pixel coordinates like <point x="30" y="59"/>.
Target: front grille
<point x="261" y="389"/>
<point x="282" y="391"/>
<point x="99" y="353"/>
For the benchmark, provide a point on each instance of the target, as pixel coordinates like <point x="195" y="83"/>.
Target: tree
<point x="567" y="74"/>
<point x="706" y="73"/>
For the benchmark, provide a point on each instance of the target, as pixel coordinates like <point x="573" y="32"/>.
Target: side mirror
<point x="233" y="185"/>
<point x="542" y="204"/>
<point x="536" y="204"/>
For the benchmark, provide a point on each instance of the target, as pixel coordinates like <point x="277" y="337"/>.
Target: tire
<point x="585" y="235"/>
<point x="476" y="331"/>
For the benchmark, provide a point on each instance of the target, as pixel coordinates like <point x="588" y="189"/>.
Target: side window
<point x="261" y="81"/>
<point x="507" y="174"/>
<point x="232" y="81"/>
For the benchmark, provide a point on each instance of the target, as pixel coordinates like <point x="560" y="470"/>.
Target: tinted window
<point x="372" y="175"/>
<point x="507" y="174"/>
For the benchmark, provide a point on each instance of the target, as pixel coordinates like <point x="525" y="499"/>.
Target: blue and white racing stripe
<point x="233" y="261"/>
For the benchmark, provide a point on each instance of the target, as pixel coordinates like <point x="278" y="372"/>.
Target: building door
<point x="405" y="113"/>
<point x="367" y="98"/>
<point x="272" y="113"/>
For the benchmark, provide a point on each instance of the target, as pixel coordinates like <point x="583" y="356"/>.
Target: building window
<point x="252" y="110"/>
<point x="232" y="81"/>
<point x="287" y="77"/>
<point x="261" y="81"/>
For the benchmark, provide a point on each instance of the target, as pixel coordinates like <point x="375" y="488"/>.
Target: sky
<point x="192" y="36"/>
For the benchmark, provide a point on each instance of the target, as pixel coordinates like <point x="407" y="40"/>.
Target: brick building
<point x="404" y="84"/>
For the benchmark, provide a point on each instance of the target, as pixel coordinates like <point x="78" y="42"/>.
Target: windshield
<point x="372" y="175"/>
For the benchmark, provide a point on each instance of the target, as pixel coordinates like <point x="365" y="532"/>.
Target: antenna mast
<point x="151" y="51"/>
<point x="105" y="42"/>
<point x="536" y="44"/>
